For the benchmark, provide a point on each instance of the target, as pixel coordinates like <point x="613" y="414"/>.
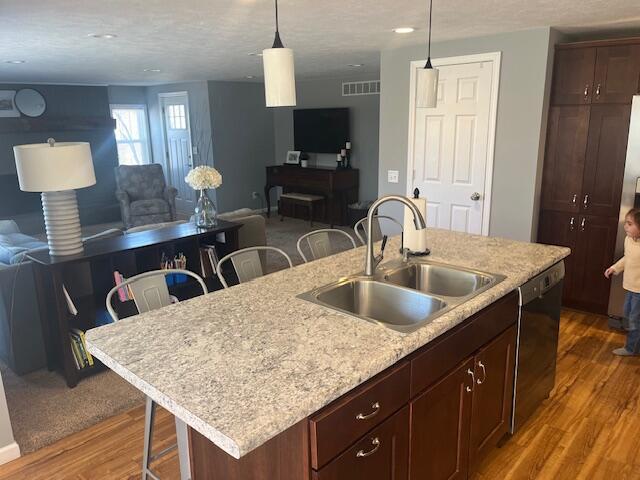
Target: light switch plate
<point x="392" y="176"/>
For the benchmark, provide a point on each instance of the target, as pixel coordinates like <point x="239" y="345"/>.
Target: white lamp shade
<point x="279" y="77"/>
<point x="43" y="168"/>
<point x="427" y="95"/>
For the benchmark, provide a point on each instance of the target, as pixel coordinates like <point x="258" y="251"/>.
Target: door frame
<point x="494" y="57"/>
<point x="165" y="144"/>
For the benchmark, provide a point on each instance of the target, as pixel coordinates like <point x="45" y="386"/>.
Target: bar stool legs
<point x="182" y="445"/>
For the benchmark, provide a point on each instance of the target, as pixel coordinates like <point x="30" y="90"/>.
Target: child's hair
<point x="634" y="213"/>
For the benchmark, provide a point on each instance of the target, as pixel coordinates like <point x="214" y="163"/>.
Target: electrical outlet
<point x="393" y="176"/>
<point x="255" y="195"/>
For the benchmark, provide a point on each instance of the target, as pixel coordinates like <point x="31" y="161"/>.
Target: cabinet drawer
<point x="382" y="454"/>
<point x="341" y="423"/>
<point x="430" y="365"/>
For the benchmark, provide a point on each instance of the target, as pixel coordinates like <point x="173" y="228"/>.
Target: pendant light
<point x="428" y="77"/>
<point x="279" y="73"/>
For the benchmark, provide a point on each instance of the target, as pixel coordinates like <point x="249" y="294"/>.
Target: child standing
<point x="630" y="265"/>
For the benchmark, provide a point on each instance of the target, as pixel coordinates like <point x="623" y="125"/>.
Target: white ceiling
<point x="210" y="39"/>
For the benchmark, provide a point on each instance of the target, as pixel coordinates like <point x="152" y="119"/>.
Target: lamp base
<point x="62" y="222"/>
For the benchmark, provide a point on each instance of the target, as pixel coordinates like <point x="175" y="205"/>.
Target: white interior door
<point x="178" y="155"/>
<point x="451" y="145"/>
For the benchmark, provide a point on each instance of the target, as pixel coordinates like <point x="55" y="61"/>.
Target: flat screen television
<point x="320" y="130"/>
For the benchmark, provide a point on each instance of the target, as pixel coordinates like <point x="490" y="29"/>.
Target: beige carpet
<point x="44" y="410"/>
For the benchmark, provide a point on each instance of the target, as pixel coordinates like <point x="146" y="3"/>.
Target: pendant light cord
<point x="277" y="43"/>
<point x="428" y="65"/>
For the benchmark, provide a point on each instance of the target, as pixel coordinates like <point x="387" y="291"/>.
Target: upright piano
<point x="339" y="187"/>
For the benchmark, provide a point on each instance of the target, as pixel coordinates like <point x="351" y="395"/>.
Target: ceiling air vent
<point x="371" y="87"/>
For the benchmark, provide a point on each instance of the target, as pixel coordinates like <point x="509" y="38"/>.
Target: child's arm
<point x="615" y="269"/>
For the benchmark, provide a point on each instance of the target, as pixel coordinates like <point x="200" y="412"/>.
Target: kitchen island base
<point x="433" y="415"/>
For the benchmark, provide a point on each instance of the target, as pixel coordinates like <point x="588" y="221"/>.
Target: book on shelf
<point x="125" y="293"/>
<point x="209" y="260"/>
<point x="80" y="335"/>
<point x="70" y="305"/>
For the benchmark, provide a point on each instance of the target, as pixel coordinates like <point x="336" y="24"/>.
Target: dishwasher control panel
<point x="541" y="283"/>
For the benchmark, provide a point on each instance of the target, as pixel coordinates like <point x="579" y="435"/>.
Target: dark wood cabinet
<point x="605" y="159"/>
<point x="494" y="368"/>
<point x="440" y="422"/>
<point x="573" y="76"/>
<point x="382" y="454"/>
<point x="585" y="159"/>
<point x="596" y="238"/>
<point x="560" y="228"/>
<point x="564" y="159"/>
<point x="617" y="73"/>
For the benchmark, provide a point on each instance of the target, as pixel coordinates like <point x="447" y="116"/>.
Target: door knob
<point x="475" y="196"/>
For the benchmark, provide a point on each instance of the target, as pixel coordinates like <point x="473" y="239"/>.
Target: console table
<point x="339" y="187"/>
<point x="88" y="277"/>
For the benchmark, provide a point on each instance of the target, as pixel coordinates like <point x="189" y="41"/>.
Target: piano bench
<point x="303" y="199"/>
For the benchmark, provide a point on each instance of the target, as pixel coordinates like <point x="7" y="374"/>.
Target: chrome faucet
<point x="371" y="261"/>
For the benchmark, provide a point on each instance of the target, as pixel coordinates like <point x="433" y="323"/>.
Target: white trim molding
<point x="495" y="58"/>
<point x="9" y="453"/>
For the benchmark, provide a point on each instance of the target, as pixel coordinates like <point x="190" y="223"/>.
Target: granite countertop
<point x="244" y="364"/>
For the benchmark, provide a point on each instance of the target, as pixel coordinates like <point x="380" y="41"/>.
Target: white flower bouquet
<point x="203" y="177"/>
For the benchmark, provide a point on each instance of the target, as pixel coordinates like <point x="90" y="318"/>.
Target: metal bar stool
<point x="247" y="263"/>
<point x="150" y="292"/>
<point x="377" y="229"/>
<point x="320" y="243"/>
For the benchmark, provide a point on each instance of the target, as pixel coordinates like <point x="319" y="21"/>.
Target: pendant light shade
<point x="279" y="73"/>
<point x="427" y="95"/>
<point x="279" y="77"/>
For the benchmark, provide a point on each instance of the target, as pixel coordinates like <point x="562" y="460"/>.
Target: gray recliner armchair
<point x="144" y="196"/>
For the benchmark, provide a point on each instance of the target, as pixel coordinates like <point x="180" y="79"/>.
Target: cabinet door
<point x="564" y="159"/>
<point x="559" y="228"/>
<point x="594" y="253"/>
<point x="605" y="159"/>
<point x="617" y="74"/>
<point x="382" y="454"/>
<point x="440" y="427"/>
<point x="573" y="76"/>
<point x="492" y="394"/>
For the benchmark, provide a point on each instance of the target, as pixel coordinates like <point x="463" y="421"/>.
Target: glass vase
<point x="206" y="215"/>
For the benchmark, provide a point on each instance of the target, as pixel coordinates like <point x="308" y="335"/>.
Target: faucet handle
<point x="384" y="243"/>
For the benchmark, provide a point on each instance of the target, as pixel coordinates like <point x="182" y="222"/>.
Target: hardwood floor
<point x="588" y="429"/>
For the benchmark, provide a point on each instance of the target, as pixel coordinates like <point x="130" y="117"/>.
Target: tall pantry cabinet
<point x="593" y="84"/>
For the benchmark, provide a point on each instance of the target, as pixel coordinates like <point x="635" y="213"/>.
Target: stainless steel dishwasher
<point x="537" y="344"/>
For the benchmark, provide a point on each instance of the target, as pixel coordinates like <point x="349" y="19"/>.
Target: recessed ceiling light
<point x="404" y="29"/>
<point x="14" y="62"/>
<point x="255" y="54"/>
<point x="152" y="70"/>
<point x="248" y="76"/>
<point x="355" y="65"/>
<point x="102" y="35"/>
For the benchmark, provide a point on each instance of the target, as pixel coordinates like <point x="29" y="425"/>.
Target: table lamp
<point x="56" y="170"/>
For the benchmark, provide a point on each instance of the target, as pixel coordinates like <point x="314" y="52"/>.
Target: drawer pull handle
<point x="376" y="445"/>
<point x="484" y="373"/>
<point x="376" y="410"/>
<point x="586" y="90"/>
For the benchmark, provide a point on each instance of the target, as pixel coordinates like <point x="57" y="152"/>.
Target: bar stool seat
<point x="303" y="199"/>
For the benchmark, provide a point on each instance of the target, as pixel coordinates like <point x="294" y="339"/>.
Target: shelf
<point x="56" y="124"/>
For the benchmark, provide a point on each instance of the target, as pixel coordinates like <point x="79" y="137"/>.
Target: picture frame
<point x="8" y="104"/>
<point x="293" y="157"/>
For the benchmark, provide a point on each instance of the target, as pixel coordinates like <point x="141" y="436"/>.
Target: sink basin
<point x="438" y="279"/>
<point x="404" y="296"/>
<point x="398" y="308"/>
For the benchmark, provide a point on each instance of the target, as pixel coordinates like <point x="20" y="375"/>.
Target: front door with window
<point x="450" y="154"/>
<point x="177" y="134"/>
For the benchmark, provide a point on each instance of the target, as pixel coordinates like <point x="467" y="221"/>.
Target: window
<point x="177" y="117"/>
<point x="131" y="134"/>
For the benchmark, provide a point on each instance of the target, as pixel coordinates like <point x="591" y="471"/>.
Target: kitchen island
<point x="256" y="372"/>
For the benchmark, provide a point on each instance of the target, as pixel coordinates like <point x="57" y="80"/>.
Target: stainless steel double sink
<point x="404" y="296"/>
